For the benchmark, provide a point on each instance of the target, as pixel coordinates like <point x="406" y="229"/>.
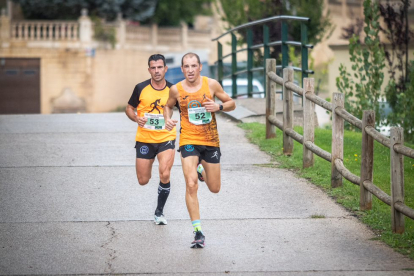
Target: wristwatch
<point x="221" y="107"/>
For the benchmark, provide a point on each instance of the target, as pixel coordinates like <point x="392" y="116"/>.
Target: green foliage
<point x="362" y="88"/>
<point x="239" y="12"/>
<point x="136" y="10"/>
<point x="163" y="12"/>
<point x="403" y="110"/>
<point x="295" y="59"/>
<point x="104" y="33"/>
<point x="171" y="13"/>
<point x="379" y="218"/>
<point x="3" y="4"/>
<point x="319" y="25"/>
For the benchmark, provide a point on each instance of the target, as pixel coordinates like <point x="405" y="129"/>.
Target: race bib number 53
<point x="155" y="121"/>
<point x="199" y="116"/>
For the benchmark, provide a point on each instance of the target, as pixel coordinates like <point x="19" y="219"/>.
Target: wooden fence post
<point x="270" y="98"/>
<point x="337" y="139"/>
<point x="367" y="160"/>
<point x="397" y="180"/>
<point x="287" y="112"/>
<point x="308" y="121"/>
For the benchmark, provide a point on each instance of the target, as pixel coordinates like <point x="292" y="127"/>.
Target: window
<point x="29" y="72"/>
<point x="12" y="72"/>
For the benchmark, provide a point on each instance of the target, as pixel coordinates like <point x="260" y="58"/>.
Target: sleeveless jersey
<point x="147" y="99"/>
<point x="191" y="134"/>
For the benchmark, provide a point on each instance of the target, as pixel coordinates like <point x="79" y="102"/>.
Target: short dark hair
<point x="156" y="57"/>
<point x="190" y="54"/>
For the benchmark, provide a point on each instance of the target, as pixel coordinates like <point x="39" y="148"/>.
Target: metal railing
<point x="339" y="115"/>
<point x="283" y="42"/>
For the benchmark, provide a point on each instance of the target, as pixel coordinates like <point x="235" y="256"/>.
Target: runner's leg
<point x="143" y="168"/>
<point x="165" y="160"/>
<point x="212" y="176"/>
<point x="189" y="165"/>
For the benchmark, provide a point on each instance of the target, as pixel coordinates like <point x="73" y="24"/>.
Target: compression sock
<point x="196" y="225"/>
<point x="163" y="193"/>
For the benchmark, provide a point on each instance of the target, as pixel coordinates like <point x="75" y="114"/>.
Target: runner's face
<point x="157" y="70"/>
<point x="191" y="69"/>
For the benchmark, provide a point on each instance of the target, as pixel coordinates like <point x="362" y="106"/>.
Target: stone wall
<point x="92" y="75"/>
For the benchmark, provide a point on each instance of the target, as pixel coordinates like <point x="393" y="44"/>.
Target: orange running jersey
<point x="147" y="99"/>
<point x="192" y="134"/>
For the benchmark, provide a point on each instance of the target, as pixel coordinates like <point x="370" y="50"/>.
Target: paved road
<point x="70" y="204"/>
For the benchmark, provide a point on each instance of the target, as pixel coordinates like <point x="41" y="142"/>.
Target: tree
<point x="403" y="109"/>
<point x="239" y="12"/>
<point x="400" y="89"/>
<point x="362" y="89"/>
<point x="395" y="29"/>
<point x="172" y="13"/>
<point x="163" y="12"/>
<point x="70" y="9"/>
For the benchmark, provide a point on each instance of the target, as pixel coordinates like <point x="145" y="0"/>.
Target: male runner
<point x="199" y="139"/>
<point x="152" y="139"/>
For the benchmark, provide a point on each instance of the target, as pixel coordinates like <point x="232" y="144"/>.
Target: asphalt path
<point x="70" y="204"/>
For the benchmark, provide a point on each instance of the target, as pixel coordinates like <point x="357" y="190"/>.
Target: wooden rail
<point x="339" y="114"/>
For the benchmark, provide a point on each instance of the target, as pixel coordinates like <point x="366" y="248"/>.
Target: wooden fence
<point x="367" y="188"/>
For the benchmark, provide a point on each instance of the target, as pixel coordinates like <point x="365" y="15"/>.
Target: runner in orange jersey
<point x="152" y="139"/>
<point x="199" y="139"/>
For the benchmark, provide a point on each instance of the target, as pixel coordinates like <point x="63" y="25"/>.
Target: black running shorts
<point x="150" y="150"/>
<point x="206" y="153"/>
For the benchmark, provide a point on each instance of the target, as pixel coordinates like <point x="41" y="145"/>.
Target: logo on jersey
<point x="194" y="104"/>
<point x="156" y="104"/>
<point x="144" y="150"/>
<point x="189" y="148"/>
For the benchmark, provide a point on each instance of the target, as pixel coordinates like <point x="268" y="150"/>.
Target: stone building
<point x="59" y="66"/>
<point x="334" y="50"/>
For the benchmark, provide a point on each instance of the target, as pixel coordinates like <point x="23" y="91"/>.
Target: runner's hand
<point x="170" y="124"/>
<point x="210" y="105"/>
<point x="141" y="121"/>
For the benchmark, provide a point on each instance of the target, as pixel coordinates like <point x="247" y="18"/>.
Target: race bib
<point x="199" y="116"/>
<point x="155" y="121"/>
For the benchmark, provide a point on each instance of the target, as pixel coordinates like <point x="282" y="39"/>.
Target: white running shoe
<point x="161" y="220"/>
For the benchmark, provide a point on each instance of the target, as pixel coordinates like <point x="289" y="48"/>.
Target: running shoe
<point x="198" y="240"/>
<point x="160" y="220"/>
<point x="200" y="168"/>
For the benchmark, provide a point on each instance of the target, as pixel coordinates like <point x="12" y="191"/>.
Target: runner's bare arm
<point x="217" y="90"/>
<point x="130" y="112"/>
<point x="168" y="108"/>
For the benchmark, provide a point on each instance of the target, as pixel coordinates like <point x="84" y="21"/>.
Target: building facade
<point x="60" y="66"/>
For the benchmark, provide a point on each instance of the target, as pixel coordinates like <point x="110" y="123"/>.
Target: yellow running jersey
<point x="197" y="127"/>
<point x="150" y="103"/>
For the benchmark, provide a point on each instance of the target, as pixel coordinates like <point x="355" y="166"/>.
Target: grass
<point x="379" y="218"/>
<point x="317" y="216"/>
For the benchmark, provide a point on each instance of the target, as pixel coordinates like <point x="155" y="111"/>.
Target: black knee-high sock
<point x="163" y="193"/>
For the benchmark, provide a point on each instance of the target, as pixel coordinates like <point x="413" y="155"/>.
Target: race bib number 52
<point x="155" y="121"/>
<point x="199" y="116"/>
